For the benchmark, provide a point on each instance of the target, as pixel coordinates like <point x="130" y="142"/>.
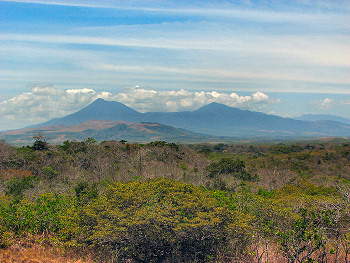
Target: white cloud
<point x="324" y="104"/>
<point x="260" y="97"/>
<point x="79" y="91"/>
<point x="44" y="103"/>
<point x="146" y="100"/>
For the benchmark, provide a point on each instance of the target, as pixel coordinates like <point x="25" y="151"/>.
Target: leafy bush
<point x="50" y="173"/>
<point x="23" y="156"/>
<point x="230" y="166"/>
<point x="16" y="186"/>
<point x="46" y="214"/>
<point x="286" y="149"/>
<point x="155" y="221"/>
<point x="226" y="166"/>
<point x="85" y="192"/>
<point x="306" y="235"/>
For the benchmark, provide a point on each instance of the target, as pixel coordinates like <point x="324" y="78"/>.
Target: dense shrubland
<point x="164" y="202"/>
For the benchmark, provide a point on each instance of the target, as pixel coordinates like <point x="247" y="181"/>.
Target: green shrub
<point x="306" y="235"/>
<point x="85" y="192"/>
<point x="230" y="166"/>
<point x="155" y="221"/>
<point x="226" y="166"/>
<point x="17" y="186"/>
<point x="46" y="214"/>
<point x="50" y="173"/>
<point x="286" y="149"/>
<point x="23" y="156"/>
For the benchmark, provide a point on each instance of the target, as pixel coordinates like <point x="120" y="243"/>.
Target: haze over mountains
<point x="114" y="120"/>
<point x="106" y="130"/>
<point x="322" y="117"/>
<point x="215" y="119"/>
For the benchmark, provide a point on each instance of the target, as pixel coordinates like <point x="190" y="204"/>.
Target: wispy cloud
<point x="239" y="9"/>
<point x="327" y="47"/>
<point x="327" y="104"/>
<point x="222" y="73"/>
<point x="330" y="50"/>
<point x="299" y="46"/>
<point x="324" y="104"/>
<point x="62" y="3"/>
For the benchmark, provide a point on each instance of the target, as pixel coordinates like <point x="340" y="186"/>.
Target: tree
<point x="5" y="152"/>
<point x="226" y="166"/>
<point x="19" y="182"/>
<point x="306" y="235"/>
<point x="40" y="143"/>
<point x="230" y="166"/>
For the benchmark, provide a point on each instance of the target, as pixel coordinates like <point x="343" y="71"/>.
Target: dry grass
<point x="39" y="254"/>
<point x="21" y="253"/>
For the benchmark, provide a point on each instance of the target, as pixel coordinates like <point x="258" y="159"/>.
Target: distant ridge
<point x="214" y="119"/>
<point x="323" y="117"/>
<point x="103" y="130"/>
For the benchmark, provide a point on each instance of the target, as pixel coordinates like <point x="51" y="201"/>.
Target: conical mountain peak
<point x="104" y="105"/>
<point x="214" y="107"/>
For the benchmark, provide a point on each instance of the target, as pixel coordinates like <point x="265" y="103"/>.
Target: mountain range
<point x="114" y="120"/>
<point x="214" y="119"/>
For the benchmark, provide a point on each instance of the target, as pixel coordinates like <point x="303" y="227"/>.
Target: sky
<point x="285" y="58"/>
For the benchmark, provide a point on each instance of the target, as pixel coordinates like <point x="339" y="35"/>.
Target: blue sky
<point x="280" y="57"/>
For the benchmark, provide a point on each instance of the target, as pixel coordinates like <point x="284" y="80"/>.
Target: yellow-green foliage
<point x="43" y="215"/>
<point x="5" y="234"/>
<point x="296" y="204"/>
<point x="157" y="220"/>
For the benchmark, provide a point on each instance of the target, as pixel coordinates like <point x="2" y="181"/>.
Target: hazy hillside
<point x="323" y="117"/>
<point x="105" y="130"/>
